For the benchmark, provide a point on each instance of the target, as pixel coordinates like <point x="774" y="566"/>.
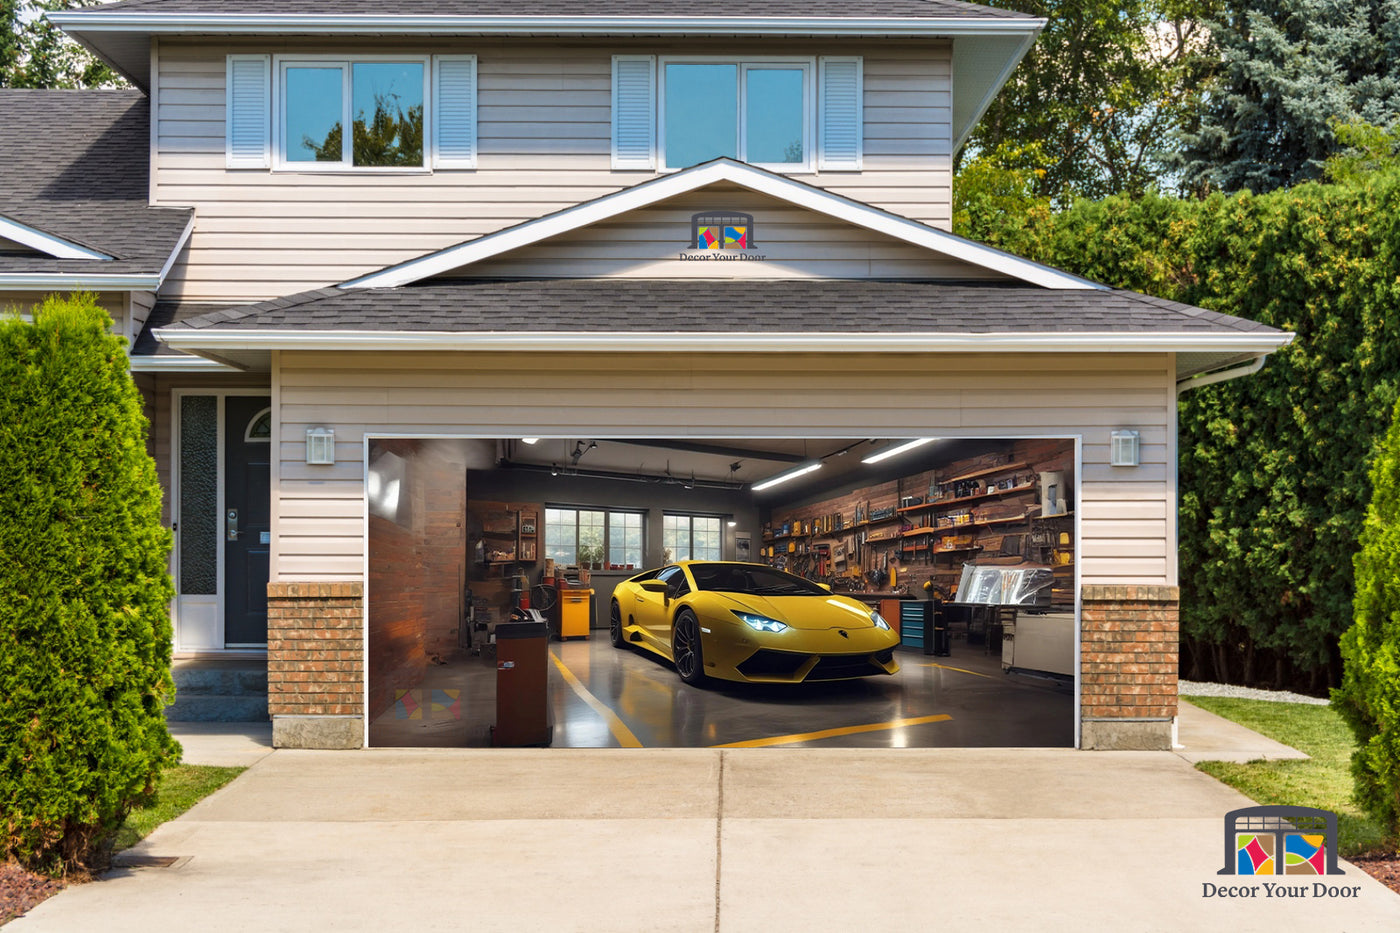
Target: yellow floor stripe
<point x="832" y="733"/>
<point x="616" y="726"/>
<point x="961" y="670"/>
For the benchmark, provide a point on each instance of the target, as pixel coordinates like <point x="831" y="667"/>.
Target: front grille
<point x="766" y="663"/>
<point x="841" y="666"/>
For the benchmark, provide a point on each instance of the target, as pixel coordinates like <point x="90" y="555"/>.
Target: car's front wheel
<point x="619" y="640"/>
<point x="685" y="648"/>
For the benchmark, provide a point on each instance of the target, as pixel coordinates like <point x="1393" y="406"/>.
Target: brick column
<point x="315" y="664"/>
<point x="1129" y="653"/>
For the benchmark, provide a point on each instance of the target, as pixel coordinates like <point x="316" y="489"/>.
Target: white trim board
<point x="709" y="173"/>
<point x="281" y="24"/>
<point x="46" y="243"/>
<point x="214" y="340"/>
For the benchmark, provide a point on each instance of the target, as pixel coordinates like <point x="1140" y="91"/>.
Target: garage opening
<point x="608" y="592"/>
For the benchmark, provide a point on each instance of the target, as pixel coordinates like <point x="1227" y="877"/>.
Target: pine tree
<point x="1291" y="71"/>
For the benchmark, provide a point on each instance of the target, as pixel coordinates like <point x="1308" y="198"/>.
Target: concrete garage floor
<point x="604" y="697"/>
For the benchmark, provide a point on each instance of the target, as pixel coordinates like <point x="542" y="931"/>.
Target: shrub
<point x="84" y="590"/>
<point x="1369" y="698"/>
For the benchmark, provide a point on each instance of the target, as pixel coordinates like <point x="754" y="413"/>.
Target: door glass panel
<point x="773" y="115"/>
<point x="387" y="103"/>
<point x="199" y="503"/>
<point x="702" y="113"/>
<point x="314" y="108"/>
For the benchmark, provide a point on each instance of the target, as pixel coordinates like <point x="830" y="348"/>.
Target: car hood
<point x="805" y="612"/>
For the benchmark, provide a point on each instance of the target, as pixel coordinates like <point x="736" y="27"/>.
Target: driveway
<point x="701" y="840"/>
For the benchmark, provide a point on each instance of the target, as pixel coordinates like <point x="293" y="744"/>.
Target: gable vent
<point x="248" y="104"/>
<point x="840" y="117"/>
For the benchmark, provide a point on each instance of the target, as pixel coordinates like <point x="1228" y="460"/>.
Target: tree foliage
<point x="84" y="589"/>
<point x="391" y="136"/>
<point x="1369" y="698"/>
<point x="1290" y="71"/>
<point x="36" y="54"/>
<point x="1101" y="90"/>
<point x="1273" y="467"/>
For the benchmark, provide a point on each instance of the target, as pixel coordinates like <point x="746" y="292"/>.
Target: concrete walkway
<point x="700" y="840"/>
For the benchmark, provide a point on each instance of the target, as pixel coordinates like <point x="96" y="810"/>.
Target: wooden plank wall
<point x="544" y="122"/>
<point x="416" y="573"/>
<point x="1126" y="515"/>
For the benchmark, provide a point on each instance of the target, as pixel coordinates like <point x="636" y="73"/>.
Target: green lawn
<point x="180" y="788"/>
<point x="1324" y="781"/>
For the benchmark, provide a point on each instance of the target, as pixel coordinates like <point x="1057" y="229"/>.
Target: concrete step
<point x="220" y="678"/>
<point x="207" y="708"/>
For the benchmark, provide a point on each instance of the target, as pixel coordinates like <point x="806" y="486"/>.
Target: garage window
<point x="691" y="537"/>
<point x="588" y="537"/>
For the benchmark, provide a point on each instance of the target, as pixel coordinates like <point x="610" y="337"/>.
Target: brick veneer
<point x="315" y="649"/>
<point x="1128" y="648"/>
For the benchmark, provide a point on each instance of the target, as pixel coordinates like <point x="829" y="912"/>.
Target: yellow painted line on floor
<point x="833" y="733"/>
<point x="961" y="670"/>
<point x="616" y="726"/>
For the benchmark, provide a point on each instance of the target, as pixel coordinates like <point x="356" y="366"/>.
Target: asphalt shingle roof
<point x="891" y="9"/>
<point x="720" y="306"/>
<point x="76" y="165"/>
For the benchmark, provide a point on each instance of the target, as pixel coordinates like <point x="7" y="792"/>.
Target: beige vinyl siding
<point x="1126" y="533"/>
<point x="794" y="242"/>
<point x="544" y="144"/>
<point x="138" y="308"/>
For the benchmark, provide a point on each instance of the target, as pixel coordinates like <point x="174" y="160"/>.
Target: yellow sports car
<point x="751" y="623"/>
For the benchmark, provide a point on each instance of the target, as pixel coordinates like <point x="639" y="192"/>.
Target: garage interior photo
<point x="494" y="567"/>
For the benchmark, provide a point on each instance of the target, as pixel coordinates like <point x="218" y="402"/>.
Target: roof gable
<point x="725" y="174"/>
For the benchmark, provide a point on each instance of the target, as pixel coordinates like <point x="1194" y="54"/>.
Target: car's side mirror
<point x="654" y="586"/>
<point x="825" y="586"/>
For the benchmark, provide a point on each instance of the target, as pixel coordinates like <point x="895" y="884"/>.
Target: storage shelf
<point x="1019" y="465"/>
<point x="991" y="494"/>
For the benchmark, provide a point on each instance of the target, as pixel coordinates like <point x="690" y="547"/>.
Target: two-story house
<point x="421" y="295"/>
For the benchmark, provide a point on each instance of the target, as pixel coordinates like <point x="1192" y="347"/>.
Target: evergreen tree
<point x="1291" y="71"/>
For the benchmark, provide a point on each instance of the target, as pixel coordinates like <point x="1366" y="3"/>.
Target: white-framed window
<point x="690" y="537"/>
<point x="597" y="538"/>
<point x="364" y="113"/>
<point x="760" y="111"/>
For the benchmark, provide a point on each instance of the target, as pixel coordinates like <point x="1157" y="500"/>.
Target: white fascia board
<point x="213" y="340"/>
<point x="47" y="243"/>
<point x="175" y="253"/>
<point x="177" y="364"/>
<point x="994" y="89"/>
<point x="721" y="170"/>
<point x="77" y="280"/>
<point x="96" y="21"/>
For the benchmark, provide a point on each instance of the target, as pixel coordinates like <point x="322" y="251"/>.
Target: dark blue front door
<point x="246" y="526"/>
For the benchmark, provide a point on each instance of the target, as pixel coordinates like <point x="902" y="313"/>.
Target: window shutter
<point x="248" y="101"/>
<point x="454" y="109"/>
<point x="840" y="116"/>
<point x="634" y="112"/>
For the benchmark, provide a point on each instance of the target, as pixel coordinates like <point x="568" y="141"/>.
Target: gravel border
<point x="1196" y="688"/>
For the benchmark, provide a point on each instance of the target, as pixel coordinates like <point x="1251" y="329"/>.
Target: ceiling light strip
<point x="896" y="451"/>
<point x="784" y="477"/>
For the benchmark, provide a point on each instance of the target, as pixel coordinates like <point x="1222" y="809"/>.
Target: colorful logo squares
<point x="722" y="237"/>
<point x="448" y="701"/>
<point x="1304" y="854"/>
<point x="709" y="238"/>
<point x="1254" y="854"/>
<point x="407" y="705"/>
<point x="736" y="237"/>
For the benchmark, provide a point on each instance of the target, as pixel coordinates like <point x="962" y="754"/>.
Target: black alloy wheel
<point x="619" y="640"/>
<point x="685" y="648"/>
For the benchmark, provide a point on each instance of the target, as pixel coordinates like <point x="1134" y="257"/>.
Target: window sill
<point x="345" y="170"/>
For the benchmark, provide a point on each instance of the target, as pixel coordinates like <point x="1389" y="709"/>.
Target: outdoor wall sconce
<point x="320" y="446"/>
<point x="1124" y="449"/>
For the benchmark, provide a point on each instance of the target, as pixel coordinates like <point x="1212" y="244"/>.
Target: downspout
<point x="1223" y="375"/>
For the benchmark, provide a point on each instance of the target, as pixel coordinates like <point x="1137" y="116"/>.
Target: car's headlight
<point x="879" y="621"/>
<point x="759" y="623"/>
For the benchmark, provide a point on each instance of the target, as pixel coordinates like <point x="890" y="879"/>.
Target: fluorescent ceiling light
<point x="784" y="477"/>
<point x="895" y="451"/>
<point x="529" y="440"/>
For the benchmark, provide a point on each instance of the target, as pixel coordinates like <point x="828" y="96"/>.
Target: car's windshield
<point x="753" y="579"/>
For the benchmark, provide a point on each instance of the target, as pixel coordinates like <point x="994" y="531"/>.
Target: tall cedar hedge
<point x="1369" y="698"/>
<point x="1273" y="467"/>
<point x="84" y="589"/>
